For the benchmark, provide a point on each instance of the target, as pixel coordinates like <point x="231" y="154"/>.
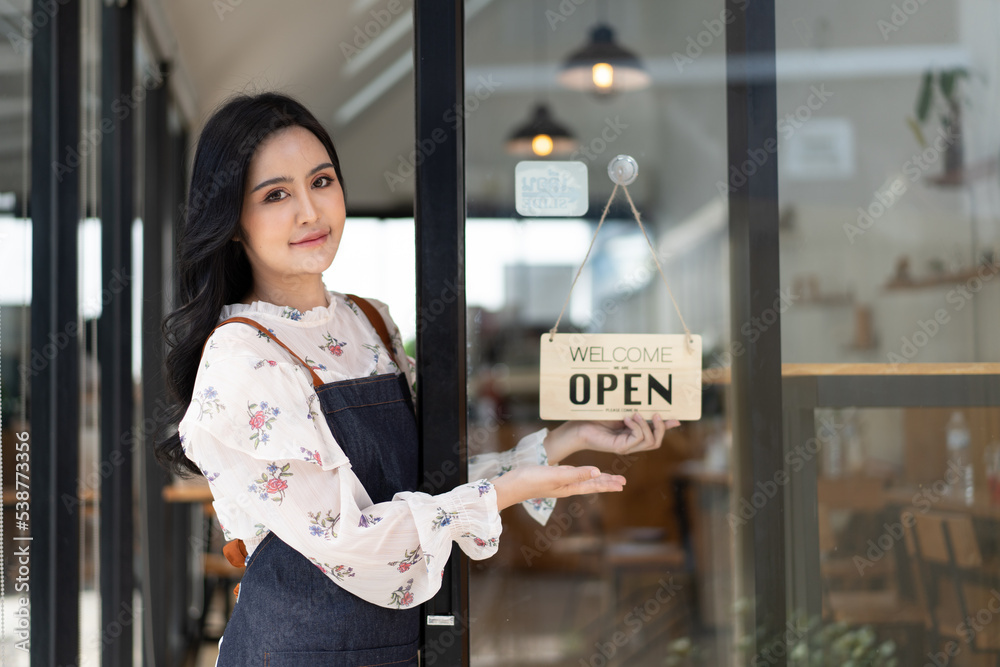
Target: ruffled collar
<point x="286" y="313"/>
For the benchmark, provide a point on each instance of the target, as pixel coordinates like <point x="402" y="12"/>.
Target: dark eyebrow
<point x="286" y="179"/>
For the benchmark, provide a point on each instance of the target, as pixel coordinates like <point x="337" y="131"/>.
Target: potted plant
<point x="940" y="96"/>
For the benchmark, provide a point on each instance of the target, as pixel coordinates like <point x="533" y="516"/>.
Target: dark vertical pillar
<point x="754" y="272"/>
<point x="114" y="340"/>
<point x="53" y="552"/>
<point x="156" y="207"/>
<point x="439" y="71"/>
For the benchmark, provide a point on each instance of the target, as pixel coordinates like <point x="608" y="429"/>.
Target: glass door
<point x="644" y="577"/>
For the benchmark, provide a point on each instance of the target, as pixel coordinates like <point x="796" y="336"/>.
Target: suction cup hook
<point x="623" y="170"/>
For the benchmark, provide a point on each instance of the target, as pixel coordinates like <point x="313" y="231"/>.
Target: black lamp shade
<point x="628" y="71"/>
<point x="540" y="123"/>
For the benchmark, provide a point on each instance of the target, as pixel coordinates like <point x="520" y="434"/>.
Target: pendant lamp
<point x="541" y="136"/>
<point x="603" y="66"/>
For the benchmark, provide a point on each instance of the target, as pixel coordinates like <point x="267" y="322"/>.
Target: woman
<point x="299" y="413"/>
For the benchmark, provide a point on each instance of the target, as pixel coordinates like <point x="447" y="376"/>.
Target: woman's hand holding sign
<point x="622" y="437"/>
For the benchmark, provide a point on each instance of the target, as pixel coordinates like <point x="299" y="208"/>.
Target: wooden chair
<point x="868" y="593"/>
<point x="960" y="592"/>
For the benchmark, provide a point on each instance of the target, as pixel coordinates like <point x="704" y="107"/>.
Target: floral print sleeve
<point x="529" y="451"/>
<point x="275" y="464"/>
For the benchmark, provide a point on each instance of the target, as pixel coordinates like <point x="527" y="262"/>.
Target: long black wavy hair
<point x="212" y="269"/>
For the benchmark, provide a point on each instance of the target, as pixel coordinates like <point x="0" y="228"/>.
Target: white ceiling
<point x="302" y="48"/>
<point x="676" y="128"/>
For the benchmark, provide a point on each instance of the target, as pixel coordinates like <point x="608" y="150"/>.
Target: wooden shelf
<point x="826" y="370"/>
<point x="188" y="492"/>
<point x="827" y="300"/>
<point x="965" y="175"/>
<point x="934" y="281"/>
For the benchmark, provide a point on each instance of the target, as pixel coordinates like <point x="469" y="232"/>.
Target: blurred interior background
<point x="889" y="227"/>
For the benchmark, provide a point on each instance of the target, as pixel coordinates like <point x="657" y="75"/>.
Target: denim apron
<point x="288" y="612"/>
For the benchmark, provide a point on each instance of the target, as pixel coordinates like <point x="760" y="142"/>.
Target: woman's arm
<point x="390" y="553"/>
<point x="254" y="431"/>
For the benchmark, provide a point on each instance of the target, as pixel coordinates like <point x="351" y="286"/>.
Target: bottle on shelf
<point x="833" y="450"/>
<point x="854" y="453"/>
<point x="959" y="474"/>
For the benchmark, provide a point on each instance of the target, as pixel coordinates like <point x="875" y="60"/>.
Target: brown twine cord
<point x="635" y="213"/>
<point x="562" y="312"/>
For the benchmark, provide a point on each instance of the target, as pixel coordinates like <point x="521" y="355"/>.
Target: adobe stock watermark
<point x="558" y="525"/>
<point x="967" y="630"/>
<point x="714" y="29"/>
<point x="426" y="147"/>
<point x="758" y="157"/>
<point x="896" y="530"/>
<point x="561" y="521"/>
<point x="613" y="128"/>
<point x="223" y="7"/>
<point x="363" y="34"/>
<point x="198" y="199"/>
<point x="957" y="298"/>
<point x="898" y="17"/>
<point x="566" y="9"/>
<point x="635" y="620"/>
<point x="795" y="459"/>
<point x="60" y="340"/>
<point x="888" y="196"/>
<point x="45" y="12"/>
<point x="139" y="435"/>
<point x="120" y="108"/>
<point x="779" y="647"/>
<point x="752" y="330"/>
<point x="438" y="646"/>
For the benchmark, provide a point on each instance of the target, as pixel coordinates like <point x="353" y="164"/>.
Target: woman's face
<point x="293" y="211"/>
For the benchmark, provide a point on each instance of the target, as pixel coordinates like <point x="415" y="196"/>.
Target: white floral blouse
<point x="255" y="430"/>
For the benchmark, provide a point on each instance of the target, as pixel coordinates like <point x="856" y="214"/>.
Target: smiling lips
<point x="316" y="238"/>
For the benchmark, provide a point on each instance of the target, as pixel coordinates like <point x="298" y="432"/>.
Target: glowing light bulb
<point x="604" y="75"/>
<point x="542" y="145"/>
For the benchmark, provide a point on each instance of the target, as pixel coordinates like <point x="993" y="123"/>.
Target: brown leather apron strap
<point x="236" y="553"/>
<point x="317" y="382"/>
<point x="377" y="322"/>
<point x="235" y="550"/>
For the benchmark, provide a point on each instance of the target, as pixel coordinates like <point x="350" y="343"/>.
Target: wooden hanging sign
<point x="608" y="376"/>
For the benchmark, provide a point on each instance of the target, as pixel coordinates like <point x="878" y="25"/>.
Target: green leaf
<point x="925" y="96"/>
<point x="948" y="79"/>
<point x="286" y="467"/>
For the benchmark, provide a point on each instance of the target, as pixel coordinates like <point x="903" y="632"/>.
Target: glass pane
<point x="642" y="577"/>
<point x="91" y="295"/>
<point x="15" y="305"/>
<point x="887" y="159"/>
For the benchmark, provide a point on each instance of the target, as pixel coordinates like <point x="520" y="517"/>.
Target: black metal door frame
<point x="753" y="234"/>
<point x="439" y="73"/>
<point x="114" y="340"/>
<point x="51" y="542"/>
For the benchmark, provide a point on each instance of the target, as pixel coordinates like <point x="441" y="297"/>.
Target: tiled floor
<point x="516" y="619"/>
<point x="90" y="631"/>
<point x="557" y="621"/>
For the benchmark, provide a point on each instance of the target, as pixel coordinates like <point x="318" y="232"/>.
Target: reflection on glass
<point x="887" y="160"/>
<point x="15" y="304"/>
<point x="643" y="577"/>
